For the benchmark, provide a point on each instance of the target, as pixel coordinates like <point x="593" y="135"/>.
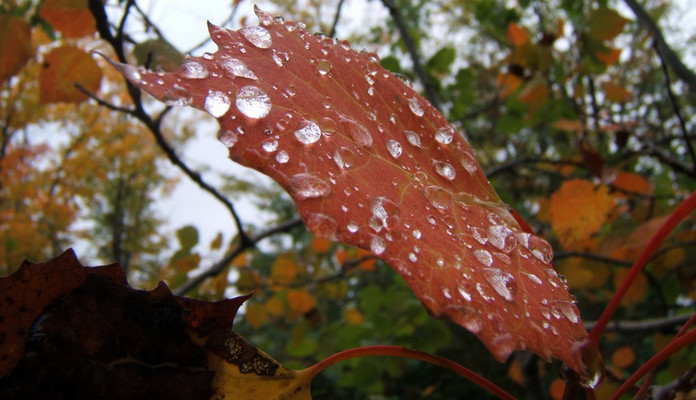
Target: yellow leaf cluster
<point x="578" y="210"/>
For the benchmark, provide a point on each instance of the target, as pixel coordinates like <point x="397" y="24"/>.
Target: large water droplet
<point x="445" y="170"/>
<point x="416" y="234"/>
<point x="282" y="157"/>
<point x="394" y="148"/>
<point x="569" y="311"/>
<point x="308" y="133"/>
<point x="413" y="138"/>
<point x="386" y="211"/>
<point x="327" y="126"/>
<point x="540" y="248"/>
<point x="344" y="157"/>
<point x="253" y="102"/>
<point x="352" y="227"/>
<point x="502" y="237"/>
<point x="192" y="70"/>
<point x="270" y="145"/>
<point x="486" y="294"/>
<point x="216" y="103"/>
<point x="258" y="36"/>
<point x="415" y="106"/>
<point x="484" y="257"/>
<point x="359" y="134"/>
<point x="324" y="67"/>
<point x="468" y="162"/>
<point x="502" y="282"/>
<point x="377" y="245"/>
<point x="438" y="197"/>
<point x="237" y="68"/>
<point x="307" y="186"/>
<point x="228" y="138"/>
<point x="445" y="134"/>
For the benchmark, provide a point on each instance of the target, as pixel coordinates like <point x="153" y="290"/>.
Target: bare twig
<point x="591" y="256"/>
<point x="154" y="126"/>
<point x="670" y="57"/>
<point x="220" y="266"/>
<point x="645" y="326"/>
<point x="512" y="164"/>
<point x="675" y="106"/>
<point x="332" y="33"/>
<point x="418" y="69"/>
<point x="684" y="384"/>
<point x="103" y="102"/>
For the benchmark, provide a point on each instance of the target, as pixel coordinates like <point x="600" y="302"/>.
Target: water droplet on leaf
<point x="324" y="67"/>
<point x="307" y="186"/>
<point x="438" y="197"/>
<point x="308" y="133"/>
<point x="228" y="138"/>
<point x="415" y="106"/>
<point x="216" y="104"/>
<point x="502" y="282"/>
<point x="237" y="68"/>
<point x="484" y="257"/>
<point x="257" y="35"/>
<point x="377" y="245"/>
<point x="270" y="145"/>
<point x="192" y="70"/>
<point x="445" y="170"/>
<point x="352" y="227"/>
<point x="282" y="157"/>
<point x="253" y="102"/>
<point x="394" y="148"/>
<point x="413" y="138"/>
<point x="344" y="157"/>
<point x="445" y="134"/>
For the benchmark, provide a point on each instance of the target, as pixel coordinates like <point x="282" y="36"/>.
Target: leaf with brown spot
<point x="82" y="333"/>
<point x="371" y="163"/>
<point x="62" y="68"/>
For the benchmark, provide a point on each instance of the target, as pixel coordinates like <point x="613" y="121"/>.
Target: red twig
<point x="674" y="219"/>
<point x="397" y="351"/>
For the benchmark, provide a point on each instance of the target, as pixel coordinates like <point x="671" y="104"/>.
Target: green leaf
<point x="441" y="61"/>
<point x="605" y="23"/>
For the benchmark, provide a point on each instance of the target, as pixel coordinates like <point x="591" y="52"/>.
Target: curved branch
<point x="220" y="266"/>
<point x="670" y="57"/>
<point x="644" y="326"/>
<point x="418" y="69"/>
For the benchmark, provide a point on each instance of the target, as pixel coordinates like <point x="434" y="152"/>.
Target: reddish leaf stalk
<point x="673" y="347"/>
<point x="398" y="351"/>
<point x="686" y="207"/>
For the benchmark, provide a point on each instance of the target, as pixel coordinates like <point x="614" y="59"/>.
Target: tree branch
<point x="220" y="266"/>
<point x="670" y="57"/>
<point x="645" y="326"/>
<point x="332" y="33"/>
<point x="418" y="69"/>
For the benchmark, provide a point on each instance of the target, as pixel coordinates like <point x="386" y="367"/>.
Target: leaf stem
<point x="398" y="351"/>
<point x="686" y="207"/>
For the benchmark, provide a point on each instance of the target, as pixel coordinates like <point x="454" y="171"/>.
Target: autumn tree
<point x="580" y="114"/>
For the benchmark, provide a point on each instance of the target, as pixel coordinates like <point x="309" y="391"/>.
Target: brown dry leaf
<point x="15" y="45"/>
<point x="301" y="301"/>
<point x="81" y="332"/>
<point x="579" y="209"/>
<point x="616" y="93"/>
<point x="62" y="68"/>
<point x="70" y="17"/>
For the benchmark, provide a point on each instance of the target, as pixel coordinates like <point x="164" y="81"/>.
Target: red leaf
<point x="371" y="163"/>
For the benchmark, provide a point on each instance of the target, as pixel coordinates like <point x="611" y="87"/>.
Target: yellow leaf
<point x="256" y="315"/>
<point x="275" y="306"/>
<point x="578" y="210"/>
<point x="217" y="242"/>
<point x="284" y="269"/>
<point x="241" y="260"/>
<point x="353" y="316"/>
<point x="301" y="302"/>
<point x="623" y="357"/>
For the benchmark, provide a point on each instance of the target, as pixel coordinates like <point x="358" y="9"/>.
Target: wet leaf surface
<point x="369" y="162"/>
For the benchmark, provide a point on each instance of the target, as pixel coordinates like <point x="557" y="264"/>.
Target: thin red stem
<point x="397" y="351"/>
<point x="674" y="219"/>
<point x="673" y="347"/>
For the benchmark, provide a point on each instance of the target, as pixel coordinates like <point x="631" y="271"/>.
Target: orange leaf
<point x="608" y="57"/>
<point x="578" y="210"/>
<point x="320" y="245"/>
<point x="508" y="84"/>
<point x="568" y="125"/>
<point x="301" y="302"/>
<point x="15" y="45"/>
<point x="516" y="34"/>
<point x="367" y="265"/>
<point x="353" y="316"/>
<point x="62" y="68"/>
<point x="557" y="388"/>
<point x="275" y="306"/>
<point x="370" y="162"/>
<point x="623" y="357"/>
<point x="631" y="183"/>
<point x="241" y="260"/>
<point x="284" y="269"/>
<point x="256" y="315"/>
<point x="636" y="290"/>
<point x="71" y="17"/>
<point x="616" y="93"/>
